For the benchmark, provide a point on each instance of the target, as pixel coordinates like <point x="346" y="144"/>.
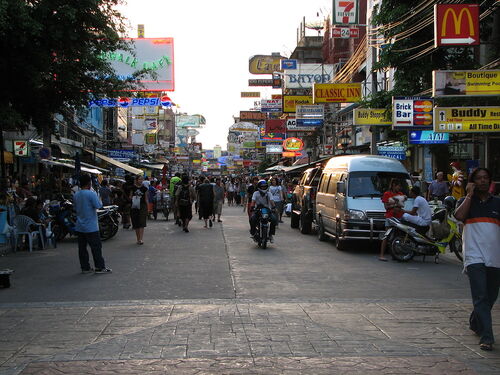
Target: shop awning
<point x="71" y="166"/>
<point x="152" y="166"/>
<point x="117" y="163"/>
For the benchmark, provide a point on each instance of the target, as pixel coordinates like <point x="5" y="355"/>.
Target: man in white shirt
<point x="421" y="213"/>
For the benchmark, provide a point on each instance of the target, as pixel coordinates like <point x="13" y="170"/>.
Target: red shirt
<point x="390" y="212"/>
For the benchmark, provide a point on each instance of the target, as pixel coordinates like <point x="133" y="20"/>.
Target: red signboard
<point x="456" y="25"/>
<point x="345" y="32"/>
<point x="275" y="126"/>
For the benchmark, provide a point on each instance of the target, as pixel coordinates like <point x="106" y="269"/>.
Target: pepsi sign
<point x="125" y="102"/>
<point x="289" y="64"/>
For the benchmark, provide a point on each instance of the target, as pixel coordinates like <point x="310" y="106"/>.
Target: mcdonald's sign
<point x="456" y="25"/>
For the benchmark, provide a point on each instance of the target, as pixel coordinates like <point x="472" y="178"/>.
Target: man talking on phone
<point x="480" y="211"/>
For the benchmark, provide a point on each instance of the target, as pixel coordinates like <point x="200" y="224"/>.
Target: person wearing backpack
<point x="184" y="197"/>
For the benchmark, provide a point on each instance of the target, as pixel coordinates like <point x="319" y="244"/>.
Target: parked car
<point x="303" y="200"/>
<point x="348" y="202"/>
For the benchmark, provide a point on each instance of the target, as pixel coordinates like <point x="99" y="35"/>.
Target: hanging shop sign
<point x="395" y="152"/>
<point x="274" y="149"/>
<point x="293" y="144"/>
<point x="263" y="64"/>
<point x="21" y="148"/>
<point x="345" y="12"/>
<point x="291" y="125"/>
<point x="152" y="54"/>
<point x="465" y="82"/>
<point x="370" y="116"/>
<point x="309" y="112"/>
<point x="306" y="75"/>
<point x="271" y="105"/>
<point x="150" y="138"/>
<point x="427" y="137"/>
<point x="275" y="126"/>
<point x="122" y="155"/>
<point x="467" y="119"/>
<point x="337" y="92"/>
<point x="251" y="94"/>
<point x="456" y="25"/>
<point x="188" y="121"/>
<point x="252" y="115"/>
<point x="260" y="82"/>
<point x="289" y="64"/>
<point x="290" y="102"/>
<point x="125" y="102"/>
<point x="290" y="154"/>
<point x="412" y="112"/>
<point x="345" y="32"/>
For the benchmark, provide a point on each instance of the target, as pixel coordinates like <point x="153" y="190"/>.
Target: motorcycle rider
<point x="420" y="214"/>
<point x="392" y="210"/>
<point x="262" y="198"/>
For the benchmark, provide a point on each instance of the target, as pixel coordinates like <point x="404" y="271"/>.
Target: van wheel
<point x="294" y="220"/>
<point x="321" y="231"/>
<point x="339" y="244"/>
<point x="305" y="224"/>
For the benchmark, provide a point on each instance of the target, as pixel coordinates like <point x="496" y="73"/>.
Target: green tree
<point x="51" y="59"/>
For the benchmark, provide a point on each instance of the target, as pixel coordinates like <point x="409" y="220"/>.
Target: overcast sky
<point x="213" y="41"/>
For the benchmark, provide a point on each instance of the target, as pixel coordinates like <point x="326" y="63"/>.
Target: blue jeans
<point x="484" y="284"/>
<point x="94" y="241"/>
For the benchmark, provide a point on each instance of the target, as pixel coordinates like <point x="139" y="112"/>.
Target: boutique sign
<point x="306" y="75"/>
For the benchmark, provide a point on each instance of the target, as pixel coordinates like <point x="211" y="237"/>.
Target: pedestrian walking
<point x="139" y="208"/>
<point x="184" y="196"/>
<point x="392" y="210"/>
<point x="480" y="211"/>
<point x="86" y="203"/>
<point x="230" y="189"/>
<point x="205" y="201"/>
<point x="278" y="196"/>
<point x="127" y="189"/>
<point x="218" y="199"/>
<point x="243" y="191"/>
<point x="250" y="190"/>
<point x="105" y="193"/>
<point x="438" y="189"/>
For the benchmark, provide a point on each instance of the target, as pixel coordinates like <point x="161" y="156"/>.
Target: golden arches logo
<point x="457" y="21"/>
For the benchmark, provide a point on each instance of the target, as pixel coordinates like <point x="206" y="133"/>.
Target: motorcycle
<point x="109" y="221"/>
<point x="162" y="204"/>
<point x="261" y="236"/>
<point x="63" y="220"/>
<point x="406" y="241"/>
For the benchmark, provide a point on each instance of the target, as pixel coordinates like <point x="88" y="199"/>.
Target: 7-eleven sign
<point x="21" y="148"/>
<point x="456" y="25"/>
<point x="345" y="12"/>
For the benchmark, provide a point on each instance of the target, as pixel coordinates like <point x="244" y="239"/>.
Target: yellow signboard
<point x="337" y="92"/>
<point x="370" y="116"/>
<point x="467" y="119"/>
<point x="261" y="64"/>
<point x="465" y="82"/>
<point x="290" y="102"/>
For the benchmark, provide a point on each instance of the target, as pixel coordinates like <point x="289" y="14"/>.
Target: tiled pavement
<point x="242" y="337"/>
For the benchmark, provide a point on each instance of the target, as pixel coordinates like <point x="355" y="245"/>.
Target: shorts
<point x="218" y="207"/>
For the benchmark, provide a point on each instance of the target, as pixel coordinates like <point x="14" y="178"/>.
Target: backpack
<point x="184" y="196"/>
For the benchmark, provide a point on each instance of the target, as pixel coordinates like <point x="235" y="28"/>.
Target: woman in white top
<point x="278" y="196"/>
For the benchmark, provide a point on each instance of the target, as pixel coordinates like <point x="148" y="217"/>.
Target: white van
<point x="348" y="201"/>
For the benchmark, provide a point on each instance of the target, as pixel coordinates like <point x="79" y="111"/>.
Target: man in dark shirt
<point x="128" y="188"/>
<point x="206" y="201"/>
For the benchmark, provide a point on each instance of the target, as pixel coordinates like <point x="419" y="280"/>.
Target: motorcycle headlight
<point x="355" y="215"/>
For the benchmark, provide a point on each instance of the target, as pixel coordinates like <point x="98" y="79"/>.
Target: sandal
<point x="383" y="259"/>
<point x="486" y="347"/>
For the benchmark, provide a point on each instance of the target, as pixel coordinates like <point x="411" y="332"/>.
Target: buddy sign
<point x="456" y="24"/>
<point x="467" y="119"/>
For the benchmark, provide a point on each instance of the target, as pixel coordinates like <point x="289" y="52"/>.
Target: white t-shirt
<point x="276" y="193"/>
<point x="423" y="210"/>
<point x="264" y="201"/>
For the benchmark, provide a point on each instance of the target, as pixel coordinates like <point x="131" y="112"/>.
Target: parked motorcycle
<point x="162" y="204"/>
<point x="261" y="236"/>
<point x="405" y="241"/>
<point x="63" y="220"/>
<point x="109" y="221"/>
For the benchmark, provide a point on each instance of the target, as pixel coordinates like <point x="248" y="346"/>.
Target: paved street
<point x="211" y="302"/>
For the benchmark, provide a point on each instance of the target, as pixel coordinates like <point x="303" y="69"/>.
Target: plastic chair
<point x="23" y="226"/>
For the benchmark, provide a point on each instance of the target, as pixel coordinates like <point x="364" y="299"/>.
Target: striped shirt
<point x="481" y="237"/>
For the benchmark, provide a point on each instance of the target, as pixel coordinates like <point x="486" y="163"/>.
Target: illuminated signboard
<point x="456" y="24"/>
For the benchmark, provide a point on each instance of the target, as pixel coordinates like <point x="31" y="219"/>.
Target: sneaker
<point x="186" y="230"/>
<point x="90" y="270"/>
<point x="210" y="224"/>
<point x="103" y="270"/>
<point x="219" y="221"/>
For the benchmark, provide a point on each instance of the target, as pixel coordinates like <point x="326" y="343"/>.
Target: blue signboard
<point x="309" y="122"/>
<point x="125" y="102"/>
<point x="289" y="64"/>
<point x="395" y="152"/>
<point x="423" y="137"/>
<point x="122" y="155"/>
